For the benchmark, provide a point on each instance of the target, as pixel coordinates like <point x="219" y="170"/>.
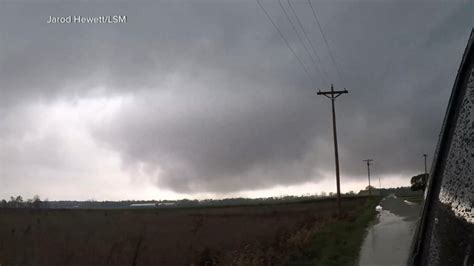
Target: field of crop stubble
<point x="238" y="235"/>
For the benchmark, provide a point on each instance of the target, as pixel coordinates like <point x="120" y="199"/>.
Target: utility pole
<point x="380" y="185"/>
<point x="332" y="95"/>
<point x="368" y="173"/>
<point x="424" y="155"/>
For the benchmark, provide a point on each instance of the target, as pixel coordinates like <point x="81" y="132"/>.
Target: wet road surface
<point x="388" y="240"/>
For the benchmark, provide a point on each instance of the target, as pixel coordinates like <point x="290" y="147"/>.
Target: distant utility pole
<point x="332" y="94"/>
<point x="424" y="155"/>
<point x="368" y="173"/>
<point x="380" y="184"/>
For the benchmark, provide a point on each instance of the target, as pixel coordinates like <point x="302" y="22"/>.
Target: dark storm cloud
<point x="218" y="103"/>
<point x="208" y="138"/>
<point x="158" y="40"/>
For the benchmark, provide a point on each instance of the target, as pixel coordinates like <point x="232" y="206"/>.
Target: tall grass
<point x="336" y="243"/>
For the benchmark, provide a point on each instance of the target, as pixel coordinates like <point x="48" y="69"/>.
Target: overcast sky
<point x="204" y="99"/>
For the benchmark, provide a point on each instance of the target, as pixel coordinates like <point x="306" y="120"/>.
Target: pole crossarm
<point x="332" y="93"/>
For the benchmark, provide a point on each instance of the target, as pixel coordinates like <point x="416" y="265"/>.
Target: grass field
<point x="238" y="235"/>
<point x="336" y="243"/>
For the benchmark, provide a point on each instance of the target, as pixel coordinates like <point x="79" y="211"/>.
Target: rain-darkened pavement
<point x="388" y="240"/>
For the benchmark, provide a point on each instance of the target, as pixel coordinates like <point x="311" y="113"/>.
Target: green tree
<point x="19" y="201"/>
<point x="371" y="188"/>
<point x="36" y="202"/>
<point x="418" y="182"/>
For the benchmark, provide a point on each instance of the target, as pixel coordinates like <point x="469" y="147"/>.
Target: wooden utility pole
<point x="424" y="155"/>
<point x="332" y="94"/>
<point x="368" y="173"/>
<point x="380" y="185"/>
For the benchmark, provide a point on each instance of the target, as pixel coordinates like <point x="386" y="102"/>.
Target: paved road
<point x="388" y="241"/>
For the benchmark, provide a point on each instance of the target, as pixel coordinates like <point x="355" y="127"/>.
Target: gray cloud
<point x="219" y="104"/>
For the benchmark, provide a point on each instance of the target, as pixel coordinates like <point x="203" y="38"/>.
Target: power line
<point x="309" y="40"/>
<point x="325" y="40"/>
<point x="302" y="42"/>
<point x="286" y="41"/>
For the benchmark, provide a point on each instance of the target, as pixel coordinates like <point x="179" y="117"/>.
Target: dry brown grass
<point x="242" y="235"/>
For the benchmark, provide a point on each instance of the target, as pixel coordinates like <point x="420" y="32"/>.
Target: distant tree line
<point x="37" y="203"/>
<point x="19" y="202"/>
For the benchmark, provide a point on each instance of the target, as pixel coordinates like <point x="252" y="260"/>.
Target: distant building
<point x="143" y="205"/>
<point x="166" y="204"/>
